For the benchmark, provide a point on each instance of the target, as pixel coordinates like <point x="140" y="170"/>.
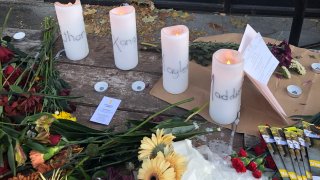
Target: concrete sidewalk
<point x="28" y="14"/>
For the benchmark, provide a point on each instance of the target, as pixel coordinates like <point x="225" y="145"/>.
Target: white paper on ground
<point x="199" y="168"/>
<point x="259" y="65"/>
<point x="105" y="111"/>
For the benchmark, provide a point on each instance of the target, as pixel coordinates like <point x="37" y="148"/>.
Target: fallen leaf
<point x="238" y="22"/>
<point x="149" y="19"/>
<point x="89" y="11"/>
<point x="216" y="27"/>
<point x="312" y="56"/>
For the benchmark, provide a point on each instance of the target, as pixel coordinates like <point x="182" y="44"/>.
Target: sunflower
<point x="156" y="169"/>
<point x="158" y="142"/>
<point x="178" y="162"/>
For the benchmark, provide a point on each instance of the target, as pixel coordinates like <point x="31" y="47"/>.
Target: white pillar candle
<point x="175" y="58"/>
<point x="226" y="83"/>
<point x="72" y="29"/>
<point x="124" y="37"/>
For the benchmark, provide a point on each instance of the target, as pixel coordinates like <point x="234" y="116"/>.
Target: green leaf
<point x="102" y="174"/>
<point x="36" y="146"/>
<point x="11" y="159"/>
<point x="92" y="150"/>
<point x="1" y="155"/>
<point x="16" y="89"/>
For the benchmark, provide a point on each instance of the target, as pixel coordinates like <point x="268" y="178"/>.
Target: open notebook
<point x="259" y="65"/>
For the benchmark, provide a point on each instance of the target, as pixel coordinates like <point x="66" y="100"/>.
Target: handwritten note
<point x="259" y="65"/>
<point x="105" y="111"/>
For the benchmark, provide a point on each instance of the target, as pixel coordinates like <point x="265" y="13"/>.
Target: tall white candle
<point x="124" y="37"/>
<point x="175" y="58"/>
<point x="72" y="29"/>
<point x="226" y="83"/>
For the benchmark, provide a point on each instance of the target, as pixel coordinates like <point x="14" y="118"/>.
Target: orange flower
<point x="36" y="158"/>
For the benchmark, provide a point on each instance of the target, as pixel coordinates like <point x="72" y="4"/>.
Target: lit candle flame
<point x="228" y="62"/>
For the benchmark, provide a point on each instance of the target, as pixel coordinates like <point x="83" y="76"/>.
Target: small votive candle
<point x="124" y="37"/>
<point x="226" y="83"/>
<point x="72" y="30"/>
<point x="175" y="58"/>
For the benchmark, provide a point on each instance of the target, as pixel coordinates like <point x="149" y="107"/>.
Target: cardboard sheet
<point x="255" y="109"/>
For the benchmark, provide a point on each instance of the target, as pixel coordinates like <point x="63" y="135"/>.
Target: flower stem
<point x="5" y="22"/>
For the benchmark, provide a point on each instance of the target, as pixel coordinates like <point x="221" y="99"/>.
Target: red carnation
<point x="242" y="153"/>
<point x="258" y="149"/>
<point x="54" y="139"/>
<point x="238" y="165"/>
<point x="5" y="55"/>
<point x="257" y="173"/>
<point x="252" y="166"/>
<point x="270" y="163"/>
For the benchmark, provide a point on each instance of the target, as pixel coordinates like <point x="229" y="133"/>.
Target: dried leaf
<point x="149" y="19"/>
<point x="89" y="11"/>
<point x="312" y="56"/>
<point x="238" y="22"/>
<point x="216" y="27"/>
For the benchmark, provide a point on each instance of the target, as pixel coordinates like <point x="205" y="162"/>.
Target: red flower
<point x="238" y="165"/>
<point x="4" y="168"/>
<point x="29" y="104"/>
<point x="257" y="173"/>
<point x="242" y="153"/>
<point x="252" y="166"/>
<point x="64" y="92"/>
<point x="14" y="74"/>
<point x="54" y="139"/>
<point x="5" y="55"/>
<point x="258" y="149"/>
<point x="263" y="144"/>
<point x="270" y="163"/>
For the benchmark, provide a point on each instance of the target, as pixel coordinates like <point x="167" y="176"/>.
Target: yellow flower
<point x="44" y="122"/>
<point x="156" y="169"/>
<point x="178" y="162"/>
<point x="64" y="115"/>
<point x="20" y="156"/>
<point x="158" y="142"/>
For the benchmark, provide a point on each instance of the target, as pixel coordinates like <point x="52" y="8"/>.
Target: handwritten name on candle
<point x="122" y="43"/>
<point x="68" y="37"/>
<point x="175" y="72"/>
<point x="225" y="96"/>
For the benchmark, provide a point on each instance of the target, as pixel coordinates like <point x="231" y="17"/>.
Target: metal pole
<point x="297" y="22"/>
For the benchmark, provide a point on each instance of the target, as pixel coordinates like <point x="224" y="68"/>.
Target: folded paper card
<point x="255" y="108"/>
<point x="259" y="65"/>
<point x="105" y="110"/>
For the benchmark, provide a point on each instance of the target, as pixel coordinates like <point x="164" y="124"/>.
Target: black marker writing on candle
<point x="225" y="95"/>
<point x="68" y="37"/>
<point x="212" y="85"/>
<point x="122" y="43"/>
<point x="175" y="72"/>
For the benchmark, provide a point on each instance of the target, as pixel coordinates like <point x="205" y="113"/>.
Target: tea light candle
<point x="124" y="37"/>
<point x="72" y="30"/>
<point x="226" y="83"/>
<point x="175" y="58"/>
